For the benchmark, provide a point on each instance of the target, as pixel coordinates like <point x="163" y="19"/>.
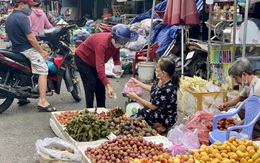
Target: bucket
<point x="146" y="71"/>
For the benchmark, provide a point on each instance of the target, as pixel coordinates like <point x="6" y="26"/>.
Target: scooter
<point x="17" y="80"/>
<point x="195" y="59"/>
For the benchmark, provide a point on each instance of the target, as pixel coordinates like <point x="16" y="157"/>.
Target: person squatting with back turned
<point x="161" y="110"/>
<point x="243" y="74"/>
<point x="90" y="59"/>
<point x="19" y="31"/>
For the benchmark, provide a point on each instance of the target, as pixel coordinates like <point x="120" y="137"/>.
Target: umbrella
<point x="181" y="12"/>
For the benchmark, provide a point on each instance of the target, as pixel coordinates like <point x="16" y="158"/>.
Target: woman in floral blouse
<point x="161" y="110"/>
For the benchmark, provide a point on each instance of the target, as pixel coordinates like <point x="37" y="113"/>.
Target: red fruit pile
<point x="124" y="149"/>
<point x="222" y="124"/>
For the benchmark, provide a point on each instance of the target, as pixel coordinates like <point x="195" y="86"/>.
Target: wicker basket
<point x="121" y="9"/>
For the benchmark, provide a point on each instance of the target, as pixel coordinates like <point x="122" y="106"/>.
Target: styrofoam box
<point x="56" y="130"/>
<point x="155" y="139"/>
<point x="257" y="143"/>
<point x="59" y="129"/>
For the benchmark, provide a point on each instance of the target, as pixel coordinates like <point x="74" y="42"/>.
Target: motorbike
<point x="17" y="80"/>
<point x="195" y="59"/>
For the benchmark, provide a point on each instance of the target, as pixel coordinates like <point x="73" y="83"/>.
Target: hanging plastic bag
<point x="177" y="149"/>
<point x="56" y="149"/>
<point x="199" y="121"/>
<point x="181" y="135"/>
<point x="127" y="88"/>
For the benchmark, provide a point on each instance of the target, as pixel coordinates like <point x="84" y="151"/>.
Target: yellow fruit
<point x="217" y="143"/>
<point x="249" y="148"/>
<point x="232" y="138"/>
<point x="257" y="160"/>
<point x="233" y="148"/>
<point x="243" y="160"/>
<point x="234" y="156"/>
<point x="218" y="156"/>
<point x="204" y="158"/>
<point x="166" y="155"/>
<point x="251" y="153"/>
<point x="234" y="143"/>
<point x="250" y="161"/>
<point x="255" y="156"/>
<point x="242" y="148"/>
<point x="197" y="156"/>
<point x="226" y="161"/>
<point x="239" y="153"/>
<point x="224" y="155"/>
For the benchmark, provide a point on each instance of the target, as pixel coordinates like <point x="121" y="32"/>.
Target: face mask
<point x="157" y="75"/>
<point x="244" y="83"/>
<point x="27" y="11"/>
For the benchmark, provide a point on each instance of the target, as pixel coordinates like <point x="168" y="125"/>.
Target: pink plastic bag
<point x="177" y="149"/>
<point x="126" y="89"/>
<point x="181" y="135"/>
<point x="199" y="121"/>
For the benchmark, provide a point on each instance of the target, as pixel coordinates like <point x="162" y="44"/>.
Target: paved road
<point x="21" y="127"/>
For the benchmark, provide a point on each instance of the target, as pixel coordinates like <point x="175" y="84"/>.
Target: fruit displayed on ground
<point x="129" y="125"/>
<point x="87" y="127"/>
<point x="230" y="151"/>
<point x="65" y="117"/>
<point x="167" y="158"/>
<point x="123" y="149"/>
<point x="222" y="124"/>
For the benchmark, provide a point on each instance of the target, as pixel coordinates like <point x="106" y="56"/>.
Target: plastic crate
<point x="189" y="102"/>
<point x="119" y="10"/>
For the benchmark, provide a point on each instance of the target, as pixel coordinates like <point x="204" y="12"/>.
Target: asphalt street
<point x="21" y="127"/>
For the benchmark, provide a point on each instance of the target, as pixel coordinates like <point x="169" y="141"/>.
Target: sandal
<point x="48" y="108"/>
<point x="23" y="102"/>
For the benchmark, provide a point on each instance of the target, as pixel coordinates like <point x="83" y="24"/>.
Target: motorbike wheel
<point x="199" y="68"/>
<point x="76" y="92"/>
<point x="5" y="103"/>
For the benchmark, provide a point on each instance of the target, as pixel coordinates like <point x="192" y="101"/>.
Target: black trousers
<point x="92" y="84"/>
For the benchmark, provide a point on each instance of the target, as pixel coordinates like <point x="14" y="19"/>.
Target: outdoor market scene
<point x="130" y="81"/>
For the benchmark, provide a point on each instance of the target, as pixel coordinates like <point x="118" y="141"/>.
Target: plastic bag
<point x="177" y="149"/>
<point x="199" y="121"/>
<point x="181" y="135"/>
<point x="56" y="149"/>
<point x="126" y="89"/>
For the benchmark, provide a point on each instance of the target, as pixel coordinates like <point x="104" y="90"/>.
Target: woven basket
<point x="119" y="10"/>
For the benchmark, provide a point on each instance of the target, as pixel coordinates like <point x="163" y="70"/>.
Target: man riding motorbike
<point x="23" y="41"/>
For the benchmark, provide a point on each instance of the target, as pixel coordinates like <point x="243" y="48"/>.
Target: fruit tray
<point x="155" y="139"/>
<point x="59" y="129"/>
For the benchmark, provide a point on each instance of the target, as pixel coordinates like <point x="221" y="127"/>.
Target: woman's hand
<point x="133" y="82"/>
<point x="110" y="91"/>
<point x="132" y="95"/>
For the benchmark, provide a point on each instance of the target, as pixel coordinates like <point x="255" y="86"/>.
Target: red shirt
<point x="96" y="50"/>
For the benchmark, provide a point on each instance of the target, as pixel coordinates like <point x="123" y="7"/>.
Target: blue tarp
<point x="163" y="34"/>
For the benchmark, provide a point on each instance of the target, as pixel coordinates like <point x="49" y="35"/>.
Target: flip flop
<point x="23" y="102"/>
<point x="48" y="108"/>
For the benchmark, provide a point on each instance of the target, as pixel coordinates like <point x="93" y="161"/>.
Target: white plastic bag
<point x="180" y="135"/>
<point x="45" y="150"/>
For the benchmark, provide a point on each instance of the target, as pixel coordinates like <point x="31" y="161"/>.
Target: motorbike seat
<point x="19" y="57"/>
